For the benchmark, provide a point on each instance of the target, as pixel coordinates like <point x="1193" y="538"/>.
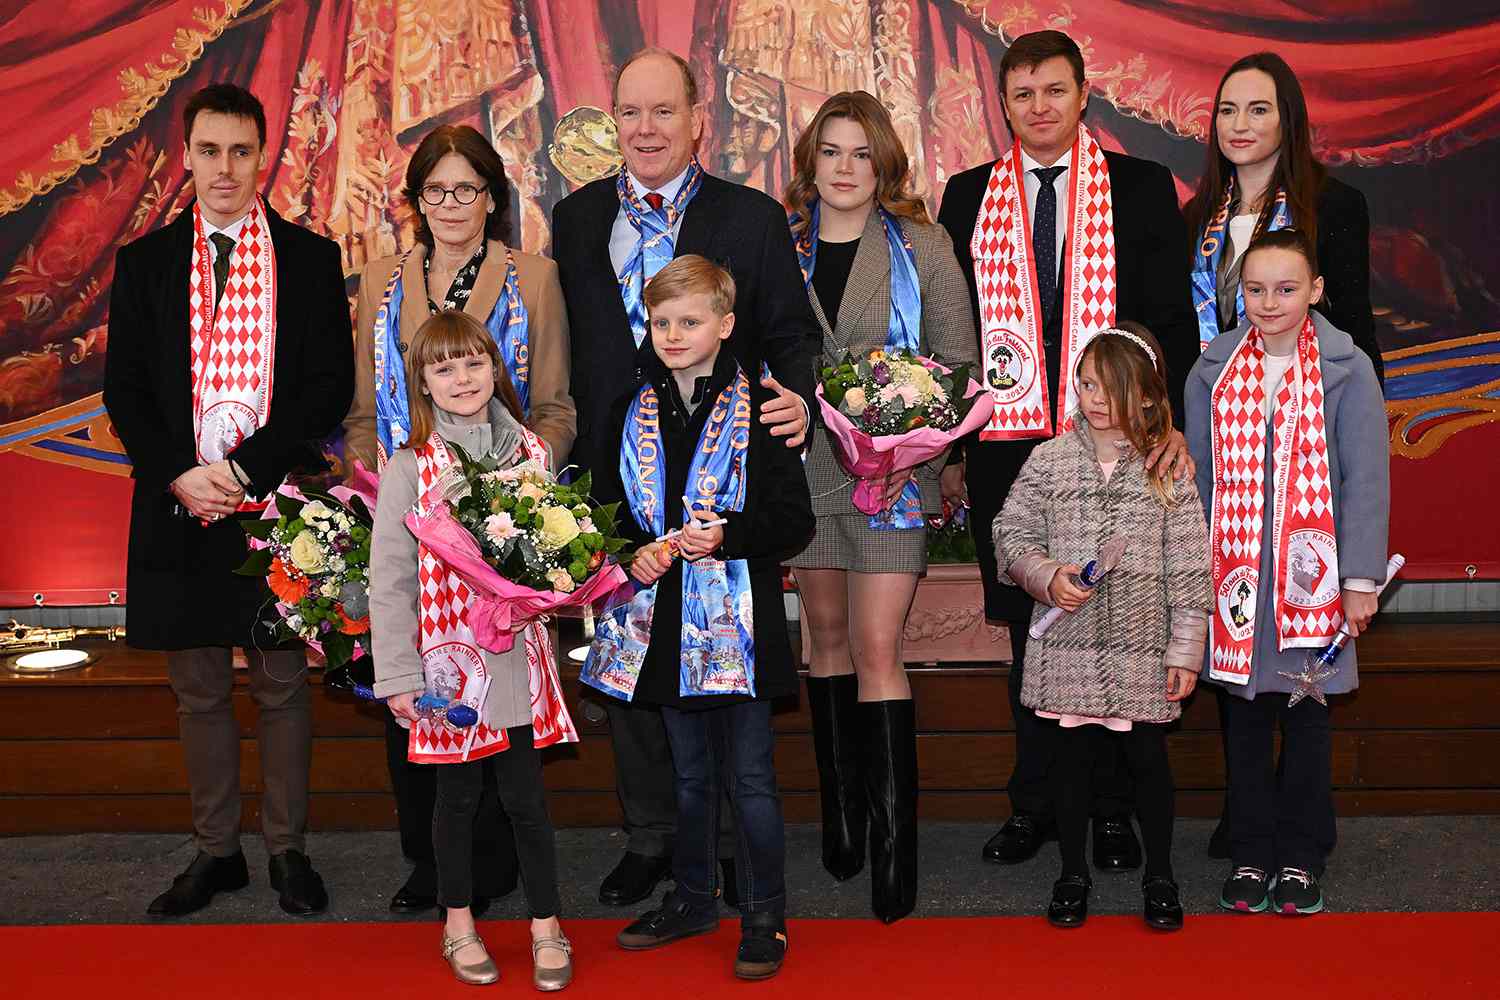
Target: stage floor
<point x="1404" y="864"/>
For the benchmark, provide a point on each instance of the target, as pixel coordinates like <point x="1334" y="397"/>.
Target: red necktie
<point x="655" y="200"/>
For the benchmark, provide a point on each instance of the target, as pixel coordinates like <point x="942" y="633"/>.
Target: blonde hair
<point x="451" y="333"/>
<point x="691" y="274"/>
<point x="887" y="156"/>
<point x="1137" y="389"/>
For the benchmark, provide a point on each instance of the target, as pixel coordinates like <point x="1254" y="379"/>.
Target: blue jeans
<point x="735" y="741"/>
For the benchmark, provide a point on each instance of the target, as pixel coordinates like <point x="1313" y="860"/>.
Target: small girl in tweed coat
<point x="1116" y="666"/>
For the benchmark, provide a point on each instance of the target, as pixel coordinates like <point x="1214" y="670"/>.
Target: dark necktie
<point x="1044" y="238"/>
<point x="225" y="246"/>
<point x="655" y="200"/>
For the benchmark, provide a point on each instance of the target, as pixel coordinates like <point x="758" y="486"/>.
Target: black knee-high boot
<point x="839" y="742"/>
<point x="891" y="779"/>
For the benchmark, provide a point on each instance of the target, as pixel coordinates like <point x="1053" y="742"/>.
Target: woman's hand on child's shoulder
<point x="651" y="562"/>
<point x="1180" y="682"/>
<point x="1064" y="591"/>
<point x="1174" y="452"/>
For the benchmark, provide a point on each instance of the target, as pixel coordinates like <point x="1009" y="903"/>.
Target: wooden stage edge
<point x="96" y="750"/>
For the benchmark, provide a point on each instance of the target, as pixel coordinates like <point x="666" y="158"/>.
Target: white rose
<point x="855" y="402"/>
<point x="316" y="510"/>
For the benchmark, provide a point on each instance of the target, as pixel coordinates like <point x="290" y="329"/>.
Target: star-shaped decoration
<point x="1309" y="683"/>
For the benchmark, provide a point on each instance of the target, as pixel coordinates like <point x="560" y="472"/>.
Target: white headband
<point x="1134" y="339"/>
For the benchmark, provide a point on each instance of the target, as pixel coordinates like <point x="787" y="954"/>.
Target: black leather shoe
<point x="1163" y="907"/>
<point x="729" y="888"/>
<point x="1116" y="848"/>
<point x="301" y="888"/>
<point x="762" y="946"/>
<point x="1070" y="901"/>
<point x="1018" y="840"/>
<point x="419" y="893"/>
<point x="672" y="921"/>
<point x="195" y="887"/>
<point x="633" y="879"/>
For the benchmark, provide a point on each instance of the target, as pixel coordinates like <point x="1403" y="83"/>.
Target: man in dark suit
<point x="230" y="356"/>
<point x="609" y="237"/>
<point x="1044" y="95"/>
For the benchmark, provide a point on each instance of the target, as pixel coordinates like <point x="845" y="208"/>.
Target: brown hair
<point x="1291" y="239"/>
<point x="1298" y="172"/>
<point x="691" y="274"/>
<point x="468" y="143"/>
<point x="451" y="333"/>
<point x="225" y="99"/>
<point x="689" y="81"/>
<point x="1132" y="381"/>
<point x="887" y="155"/>
<point x="1032" y="49"/>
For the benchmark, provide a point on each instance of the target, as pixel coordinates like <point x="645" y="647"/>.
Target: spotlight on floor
<point x="44" y="660"/>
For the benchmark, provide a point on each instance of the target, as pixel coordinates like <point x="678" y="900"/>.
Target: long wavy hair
<point x="1298" y="171"/>
<point x="1137" y="390"/>
<point x="892" y="169"/>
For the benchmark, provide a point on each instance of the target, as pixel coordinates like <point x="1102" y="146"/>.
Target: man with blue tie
<point x="1058" y="240"/>
<point x="609" y="238"/>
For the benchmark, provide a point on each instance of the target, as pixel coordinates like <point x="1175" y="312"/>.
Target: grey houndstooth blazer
<point x="863" y="319"/>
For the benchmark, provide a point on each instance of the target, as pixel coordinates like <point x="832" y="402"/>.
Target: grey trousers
<point x="646" y="782"/>
<point x="203" y="680"/>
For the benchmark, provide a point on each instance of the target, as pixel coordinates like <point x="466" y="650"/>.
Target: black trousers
<point x="1030" y="788"/>
<point x="1144" y="748"/>
<point x="415" y="787"/>
<point x="1279" y="817"/>
<point x="646" y="781"/>
<point x="517" y="774"/>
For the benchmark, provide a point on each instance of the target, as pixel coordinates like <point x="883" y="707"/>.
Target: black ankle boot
<point x="838" y="738"/>
<point x="891" y="781"/>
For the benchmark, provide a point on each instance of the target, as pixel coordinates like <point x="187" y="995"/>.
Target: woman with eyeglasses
<point x="457" y="186"/>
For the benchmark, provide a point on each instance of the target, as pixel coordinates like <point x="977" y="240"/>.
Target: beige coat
<point x="552" y="415"/>
<point x="1109" y="658"/>
<point x="862" y="321"/>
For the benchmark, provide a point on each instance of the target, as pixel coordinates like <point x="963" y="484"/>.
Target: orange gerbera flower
<point x="353" y="626"/>
<point x="288" y="589"/>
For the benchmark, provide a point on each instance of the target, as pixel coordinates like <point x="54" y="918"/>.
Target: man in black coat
<point x="1044" y="96"/>
<point x="605" y="247"/>
<point x="223" y="374"/>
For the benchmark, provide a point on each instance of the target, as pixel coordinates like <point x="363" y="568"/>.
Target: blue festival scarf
<point x="718" y="628"/>
<point x="1210" y="254"/>
<point x="508" y="323"/>
<point x="654" y="245"/>
<point x="904" y="333"/>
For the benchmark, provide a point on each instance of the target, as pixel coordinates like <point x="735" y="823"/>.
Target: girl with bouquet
<point x="423" y="642"/>
<point x="1117" y="667"/>
<point x="880" y="277"/>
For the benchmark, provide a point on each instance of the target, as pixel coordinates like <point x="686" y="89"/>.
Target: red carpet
<point x="1383" y="955"/>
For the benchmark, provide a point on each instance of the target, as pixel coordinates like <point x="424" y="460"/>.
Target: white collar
<point x="668" y="191"/>
<point x="1030" y="163"/>
<point x="232" y="230"/>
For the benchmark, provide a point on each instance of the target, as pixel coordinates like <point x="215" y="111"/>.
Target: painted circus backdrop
<point x="1405" y="96"/>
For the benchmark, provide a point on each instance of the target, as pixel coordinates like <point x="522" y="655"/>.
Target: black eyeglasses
<point x="464" y="194"/>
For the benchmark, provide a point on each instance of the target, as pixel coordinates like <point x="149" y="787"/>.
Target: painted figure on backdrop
<point x="229" y="361"/>
<point x="610" y="237"/>
<point x="1058" y="239"/>
<point x="880" y="276"/>
<point x="457" y="185"/>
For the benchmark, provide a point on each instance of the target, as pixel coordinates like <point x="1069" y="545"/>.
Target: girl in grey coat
<point x="1313" y="396"/>
<point x="1115" y="667"/>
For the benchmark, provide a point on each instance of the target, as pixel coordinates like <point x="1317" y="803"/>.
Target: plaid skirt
<point x="847" y="542"/>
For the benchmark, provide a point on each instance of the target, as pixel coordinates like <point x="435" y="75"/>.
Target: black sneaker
<point x="762" y="946"/>
<point x="1296" y="893"/>
<point x="1244" y="891"/>
<point x="672" y="921"/>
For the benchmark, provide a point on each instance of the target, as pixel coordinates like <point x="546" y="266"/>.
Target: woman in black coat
<point x="1261" y="174"/>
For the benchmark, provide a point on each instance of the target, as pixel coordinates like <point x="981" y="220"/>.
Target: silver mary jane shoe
<point x="551" y="980"/>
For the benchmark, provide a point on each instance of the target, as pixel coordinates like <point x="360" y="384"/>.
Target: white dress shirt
<point x="623" y="237"/>
<point x="1033" y="185"/>
<point x="233" y="231"/>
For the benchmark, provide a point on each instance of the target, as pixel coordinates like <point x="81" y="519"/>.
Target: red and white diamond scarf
<point x="1010" y="314"/>
<point x="452" y="662"/>
<point x="233" y="350"/>
<point x="1308" y="602"/>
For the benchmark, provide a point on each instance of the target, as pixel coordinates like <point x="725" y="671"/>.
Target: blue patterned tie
<point x="1044" y="238"/>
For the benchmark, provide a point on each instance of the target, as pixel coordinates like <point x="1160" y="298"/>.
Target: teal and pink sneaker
<point x="1295" y="892"/>
<point x="1244" y="891"/>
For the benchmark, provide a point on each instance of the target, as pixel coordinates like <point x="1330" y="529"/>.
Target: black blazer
<point x="727" y="223"/>
<point x="776" y="524"/>
<point x="182" y="589"/>
<point x="1151" y="288"/>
